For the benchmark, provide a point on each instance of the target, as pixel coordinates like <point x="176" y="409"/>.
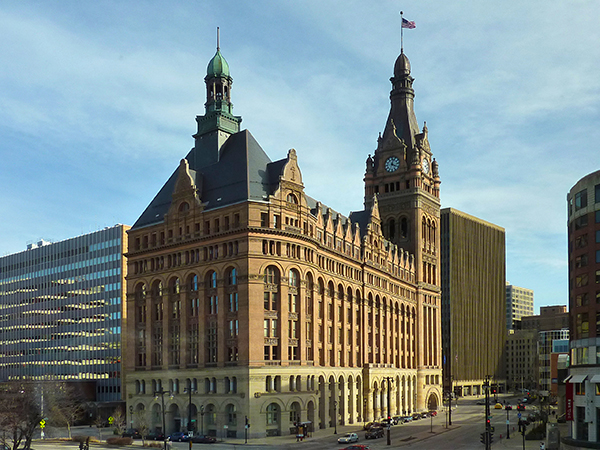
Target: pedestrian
<point x="542" y="446"/>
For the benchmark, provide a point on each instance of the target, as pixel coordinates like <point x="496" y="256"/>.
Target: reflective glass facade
<point x="61" y="311"/>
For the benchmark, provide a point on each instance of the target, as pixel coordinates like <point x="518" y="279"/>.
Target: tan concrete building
<point x="252" y="303"/>
<point x="473" y="299"/>
<point x="522" y="359"/>
<point x="519" y="303"/>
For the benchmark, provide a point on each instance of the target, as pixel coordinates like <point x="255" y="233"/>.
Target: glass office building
<point x="61" y="311"/>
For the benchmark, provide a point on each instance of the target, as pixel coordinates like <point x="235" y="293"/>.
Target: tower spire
<point x="218" y="39"/>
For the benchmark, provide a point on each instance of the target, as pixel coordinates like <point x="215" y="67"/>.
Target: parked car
<point x="416" y="416"/>
<point x="132" y="433"/>
<point x="203" y="439"/>
<point x="424" y="415"/>
<point x="433" y="413"/>
<point x="179" y="436"/>
<point x="374" y="433"/>
<point x="480" y="402"/>
<point x="155" y="436"/>
<point x="348" y="438"/>
<point x="357" y="447"/>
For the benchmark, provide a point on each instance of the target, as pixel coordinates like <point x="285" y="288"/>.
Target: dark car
<point x="179" y="436"/>
<point x="416" y="416"/>
<point x="508" y="406"/>
<point x="203" y="439"/>
<point x="357" y="447"/>
<point x="156" y="436"/>
<point x="520" y="407"/>
<point x="374" y="433"/>
<point x="132" y="433"/>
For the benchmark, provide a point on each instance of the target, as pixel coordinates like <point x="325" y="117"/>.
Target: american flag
<point x="408" y="24"/>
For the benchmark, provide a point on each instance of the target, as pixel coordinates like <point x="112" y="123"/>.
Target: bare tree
<point x="20" y="412"/>
<point x="119" y="421"/>
<point x="142" y="423"/>
<point x="65" y="405"/>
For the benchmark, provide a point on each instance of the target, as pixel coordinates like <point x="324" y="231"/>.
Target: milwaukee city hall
<point x="251" y="303"/>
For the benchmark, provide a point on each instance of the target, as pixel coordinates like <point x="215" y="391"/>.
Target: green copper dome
<point x="217" y="67"/>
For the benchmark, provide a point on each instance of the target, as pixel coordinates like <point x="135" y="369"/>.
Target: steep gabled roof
<point x="241" y="173"/>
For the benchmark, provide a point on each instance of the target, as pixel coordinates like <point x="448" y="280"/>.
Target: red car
<point x="520" y="407"/>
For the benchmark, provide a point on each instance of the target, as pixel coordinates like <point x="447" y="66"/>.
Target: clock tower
<point x="404" y="178"/>
<point x="403" y="174"/>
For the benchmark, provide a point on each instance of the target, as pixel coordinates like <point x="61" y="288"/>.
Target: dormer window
<point x="184" y="206"/>
<point x="291" y="198"/>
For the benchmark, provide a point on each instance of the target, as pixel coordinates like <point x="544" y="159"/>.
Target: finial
<point x="218" y="44"/>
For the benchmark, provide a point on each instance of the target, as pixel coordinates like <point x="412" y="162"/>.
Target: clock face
<point x="392" y="164"/>
<point x="425" y="165"/>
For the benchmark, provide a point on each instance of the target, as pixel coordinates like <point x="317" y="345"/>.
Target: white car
<point x="348" y="438"/>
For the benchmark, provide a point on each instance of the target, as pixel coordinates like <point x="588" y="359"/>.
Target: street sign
<point x="519" y="415"/>
<point x="508" y="422"/>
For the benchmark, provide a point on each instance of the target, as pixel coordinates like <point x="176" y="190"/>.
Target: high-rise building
<point x="519" y="303"/>
<point x="522" y="359"/>
<point x="473" y="302"/>
<point x="255" y="304"/>
<point x="582" y="403"/>
<point x="62" y="312"/>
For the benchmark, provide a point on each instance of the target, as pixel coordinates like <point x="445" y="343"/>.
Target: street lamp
<point x="162" y="393"/>
<point x="189" y="390"/>
<point x="202" y="419"/>
<point x="335" y="404"/>
<point x="131" y="415"/>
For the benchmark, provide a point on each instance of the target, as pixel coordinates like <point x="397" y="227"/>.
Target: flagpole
<point x="401" y="33"/>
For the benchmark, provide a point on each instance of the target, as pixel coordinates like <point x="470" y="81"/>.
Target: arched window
<point x="184" y="206"/>
<point x="231" y="415"/>
<point x="232" y="277"/>
<point x="273" y="414"/>
<point x="272" y="275"/>
<point x="403" y="227"/>
<point x="293" y="278"/>
<point x="391" y="229"/>
<point x="291" y="198"/>
<point x="193" y="283"/>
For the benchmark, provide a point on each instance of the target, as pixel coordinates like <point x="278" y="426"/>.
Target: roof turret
<point x="217" y="67"/>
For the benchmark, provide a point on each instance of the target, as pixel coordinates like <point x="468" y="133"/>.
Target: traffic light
<point x="491" y="438"/>
<point x="483" y="438"/>
<point x="487" y="424"/>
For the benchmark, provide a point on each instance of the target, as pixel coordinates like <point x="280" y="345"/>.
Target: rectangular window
<point x="597" y="215"/>
<point x="581" y="200"/>
<point x="264" y="220"/>
<point x="581" y="299"/>
<point x="597" y="193"/>
<point x="207" y="227"/>
<point x="581" y="222"/>
<point x="581" y="241"/>
<point x="273" y="327"/>
<point x="597" y="256"/>
<point x="236" y="220"/>
<point x="581" y="261"/>
<point x="266" y="327"/>
<point x="233" y="302"/>
<point x="580" y="389"/>
<point x="597" y="236"/>
<point x="597" y="276"/>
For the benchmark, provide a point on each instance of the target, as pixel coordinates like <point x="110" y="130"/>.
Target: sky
<point x="98" y="103"/>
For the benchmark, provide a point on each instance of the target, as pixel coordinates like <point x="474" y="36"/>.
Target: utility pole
<point x="389" y="416"/>
<point x="162" y="393"/>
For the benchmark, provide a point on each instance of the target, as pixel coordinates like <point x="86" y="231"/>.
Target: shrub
<point x="119" y="441"/>
<point x="153" y="444"/>
<point x="84" y="438"/>
<point x="538" y="432"/>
